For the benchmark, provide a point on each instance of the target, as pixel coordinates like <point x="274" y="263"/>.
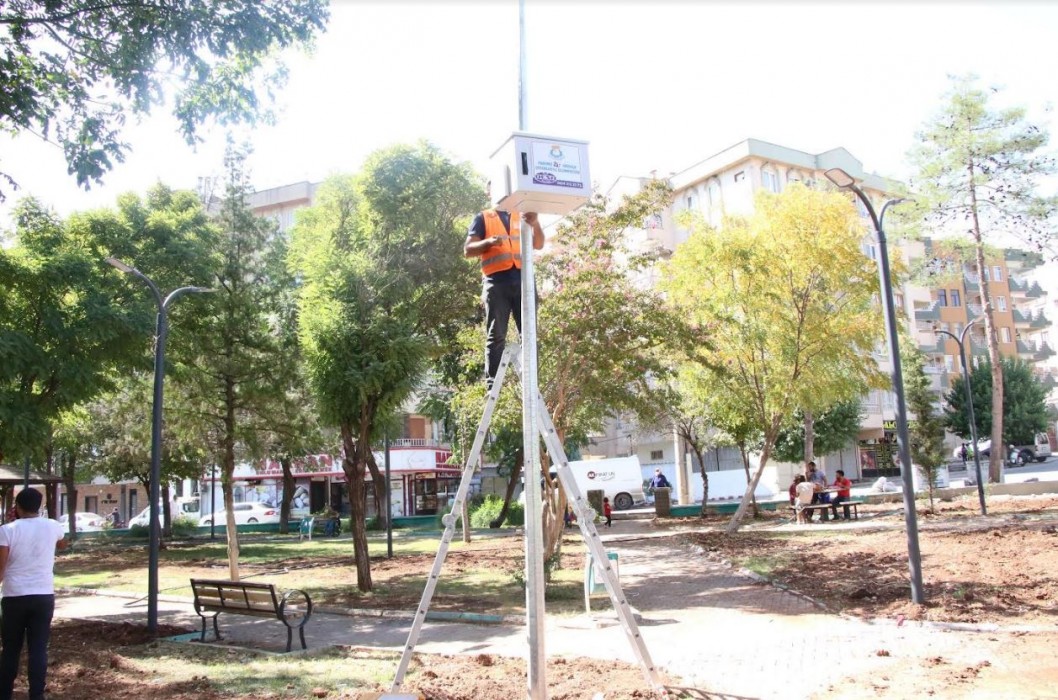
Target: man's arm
<point x="538" y="232"/>
<point x="476" y="248"/>
<point x="4" y="550"/>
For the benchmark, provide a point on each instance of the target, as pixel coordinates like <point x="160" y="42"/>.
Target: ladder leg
<point x="591" y="538"/>
<point x="449" y="519"/>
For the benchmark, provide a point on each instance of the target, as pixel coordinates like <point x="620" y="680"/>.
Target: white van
<point x="620" y="479"/>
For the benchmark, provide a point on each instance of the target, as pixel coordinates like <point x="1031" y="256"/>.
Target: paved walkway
<point x="705" y="625"/>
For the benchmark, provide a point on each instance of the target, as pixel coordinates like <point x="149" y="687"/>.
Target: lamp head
<point x="119" y="265"/>
<point x="840" y="178"/>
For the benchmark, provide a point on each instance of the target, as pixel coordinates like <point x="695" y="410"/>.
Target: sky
<point x="652" y="86"/>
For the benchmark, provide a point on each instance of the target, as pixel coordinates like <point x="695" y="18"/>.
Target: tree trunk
<point x="378" y="484"/>
<point x="68" y="477"/>
<point x="228" y="478"/>
<point x="745" y="465"/>
<point x="512" y="481"/>
<point x="769" y="442"/>
<point x="995" y="458"/>
<point x="167" y="511"/>
<point x="705" y="477"/>
<point x="354" y="465"/>
<point x="288" y="494"/>
<point x="810" y="437"/>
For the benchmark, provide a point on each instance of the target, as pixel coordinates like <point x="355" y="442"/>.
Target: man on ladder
<point x="494" y="236"/>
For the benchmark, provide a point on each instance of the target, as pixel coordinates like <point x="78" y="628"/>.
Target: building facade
<point x="725" y="184"/>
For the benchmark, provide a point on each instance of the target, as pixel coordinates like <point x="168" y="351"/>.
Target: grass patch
<point x="254" y="674"/>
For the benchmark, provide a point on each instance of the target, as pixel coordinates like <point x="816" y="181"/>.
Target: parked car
<point x="1017" y="455"/>
<point x="245" y="514"/>
<point x="85" y="522"/>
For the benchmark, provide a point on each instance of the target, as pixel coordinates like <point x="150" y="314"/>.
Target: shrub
<point x="184" y="527"/>
<point x="489" y="509"/>
<point x="139" y="531"/>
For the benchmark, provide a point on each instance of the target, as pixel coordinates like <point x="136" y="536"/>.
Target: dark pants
<point x="25" y="617"/>
<point x="820" y="498"/>
<point x="502" y="301"/>
<point x="835" y="502"/>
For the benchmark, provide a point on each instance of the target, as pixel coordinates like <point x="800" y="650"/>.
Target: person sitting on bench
<point x="806" y="492"/>
<point x="842" y="485"/>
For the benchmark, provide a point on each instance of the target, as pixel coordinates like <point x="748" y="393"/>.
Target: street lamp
<point x="969" y="405"/>
<point x="845" y="181"/>
<point x="161" y="331"/>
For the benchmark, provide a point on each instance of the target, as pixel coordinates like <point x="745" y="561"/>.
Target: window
<point x="955" y="301"/>
<point x="690" y="201"/>
<point x="1001" y="303"/>
<point x="769" y="180"/>
<point x="942" y="297"/>
<point x="740" y="176"/>
<point x="958" y="328"/>
<point x="657" y="455"/>
<point x="997" y="273"/>
<point x="898" y="300"/>
<point x="988" y="276"/>
<point x="1004" y="333"/>
<point x="949" y="363"/>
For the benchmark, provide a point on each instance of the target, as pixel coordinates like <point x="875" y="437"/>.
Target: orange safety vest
<point x="499" y="257"/>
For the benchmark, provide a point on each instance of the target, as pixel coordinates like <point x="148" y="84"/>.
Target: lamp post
<point x="161" y="331"/>
<point x="845" y="181"/>
<point x="969" y="406"/>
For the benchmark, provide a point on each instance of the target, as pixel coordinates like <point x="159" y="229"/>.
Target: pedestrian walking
<point x="27" y="560"/>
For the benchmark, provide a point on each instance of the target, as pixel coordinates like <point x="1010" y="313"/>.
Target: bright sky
<point x="651" y="85"/>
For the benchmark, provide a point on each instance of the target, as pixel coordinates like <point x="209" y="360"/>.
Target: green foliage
<point x="185" y="527"/>
<point x="139" y="532"/>
<point x="979" y="166"/>
<point x="926" y="430"/>
<point x="487" y="510"/>
<point x="786" y="299"/>
<point x="69" y="323"/>
<point x="1024" y="403"/>
<point x="835" y="428"/>
<point x="74" y="71"/>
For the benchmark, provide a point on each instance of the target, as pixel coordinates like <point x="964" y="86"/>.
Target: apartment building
<point x="725" y="184"/>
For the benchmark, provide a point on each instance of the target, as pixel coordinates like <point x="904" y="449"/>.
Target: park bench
<point x="854" y="505"/>
<point x="254" y="599"/>
<point x="311" y="524"/>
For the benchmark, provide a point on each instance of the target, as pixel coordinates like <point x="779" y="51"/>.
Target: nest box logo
<point x="556" y="152"/>
<point x="591" y="475"/>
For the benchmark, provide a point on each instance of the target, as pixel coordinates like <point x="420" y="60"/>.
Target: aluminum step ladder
<point x="581" y="508"/>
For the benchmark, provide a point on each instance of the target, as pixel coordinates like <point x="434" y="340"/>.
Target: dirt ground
<point x="1001" y="569"/>
<point x="88" y="661"/>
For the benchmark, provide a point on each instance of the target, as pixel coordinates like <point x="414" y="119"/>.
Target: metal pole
<point x="970" y="412"/>
<point x="161" y="332"/>
<point x="389" y="506"/>
<point x="534" y="544"/>
<point x="523" y="100"/>
<point x="910" y="515"/>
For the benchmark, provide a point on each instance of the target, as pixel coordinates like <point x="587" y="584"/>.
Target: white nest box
<point x="538" y="173"/>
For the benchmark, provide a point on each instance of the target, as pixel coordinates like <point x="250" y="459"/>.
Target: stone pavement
<point x="706" y="626"/>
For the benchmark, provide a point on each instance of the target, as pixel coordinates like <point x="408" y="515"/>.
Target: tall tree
<point x="834" y="428"/>
<point x="602" y="335"/>
<point x="1024" y="406"/>
<point x="234" y="363"/>
<point x="926" y="431"/>
<point x="978" y="173"/>
<point x="786" y="296"/>
<point x="73" y="71"/>
<point x="384" y="282"/>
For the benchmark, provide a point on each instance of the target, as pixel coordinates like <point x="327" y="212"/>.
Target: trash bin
<point x="593" y="578"/>
<point x="662" y="503"/>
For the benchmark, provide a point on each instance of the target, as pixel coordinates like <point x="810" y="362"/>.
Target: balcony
<point x="975" y="310"/>
<point x="971" y="282"/>
<point x="928" y="313"/>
